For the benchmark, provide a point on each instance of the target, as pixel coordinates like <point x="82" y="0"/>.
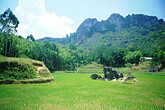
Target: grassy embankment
<point x="77" y="91"/>
<point x="20" y="70"/>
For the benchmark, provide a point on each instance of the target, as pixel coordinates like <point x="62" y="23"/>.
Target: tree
<point x="72" y="47"/>
<point x="114" y="57"/>
<point x="8" y="21"/>
<point x="2" y="43"/>
<point x="30" y="38"/>
<point x="9" y="24"/>
<point x="99" y="51"/>
<point x="133" y="57"/>
<point x="158" y="57"/>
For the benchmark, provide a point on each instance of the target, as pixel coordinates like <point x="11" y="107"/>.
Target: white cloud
<point x="36" y="20"/>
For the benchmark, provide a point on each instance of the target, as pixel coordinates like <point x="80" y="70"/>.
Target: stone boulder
<point x="99" y="77"/>
<point x="110" y="74"/>
<point x="94" y="76"/>
<point x="129" y="77"/>
<point x="120" y="74"/>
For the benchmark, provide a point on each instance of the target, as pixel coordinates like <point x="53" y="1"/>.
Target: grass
<point x="19" y="60"/>
<point x="77" y="92"/>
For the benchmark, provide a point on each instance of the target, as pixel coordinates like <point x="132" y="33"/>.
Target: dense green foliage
<point x="159" y="57"/>
<point x="16" y="71"/>
<point x="78" y="91"/>
<point x="57" y="57"/>
<point x="110" y="56"/>
<point x="30" y="38"/>
<point x="133" y="57"/>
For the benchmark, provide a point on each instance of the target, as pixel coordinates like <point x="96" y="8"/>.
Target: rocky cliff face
<point x="142" y="20"/>
<point x="85" y="28"/>
<point x="90" y="26"/>
<point x="115" y="23"/>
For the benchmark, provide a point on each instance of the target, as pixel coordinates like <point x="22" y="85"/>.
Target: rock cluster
<point x="154" y="69"/>
<point x="113" y="75"/>
<point x="129" y="77"/>
<point x="109" y="74"/>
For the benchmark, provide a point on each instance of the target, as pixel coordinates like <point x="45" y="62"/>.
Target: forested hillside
<point x="115" y="42"/>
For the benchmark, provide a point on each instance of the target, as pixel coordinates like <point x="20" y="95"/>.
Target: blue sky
<point x="56" y="18"/>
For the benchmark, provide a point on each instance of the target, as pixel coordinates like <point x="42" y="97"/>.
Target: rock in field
<point x="94" y="76"/>
<point x="111" y="74"/>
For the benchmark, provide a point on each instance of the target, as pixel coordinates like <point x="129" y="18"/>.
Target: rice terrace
<point x="82" y="55"/>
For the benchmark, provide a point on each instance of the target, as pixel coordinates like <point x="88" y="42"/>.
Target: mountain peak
<point x="116" y="20"/>
<point x="115" y="15"/>
<point x="88" y="22"/>
<point x="143" y="20"/>
<point x="86" y="27"/>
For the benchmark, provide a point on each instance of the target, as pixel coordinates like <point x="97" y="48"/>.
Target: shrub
<point x="129" y="65"/>
<point x="158" y="58"/>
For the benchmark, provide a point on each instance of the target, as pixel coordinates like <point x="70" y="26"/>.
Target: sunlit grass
<point x="19" y="60"/>
<point x="78" y="91"/>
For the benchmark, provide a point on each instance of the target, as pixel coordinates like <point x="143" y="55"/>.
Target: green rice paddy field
<point x="75" y="91"/>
